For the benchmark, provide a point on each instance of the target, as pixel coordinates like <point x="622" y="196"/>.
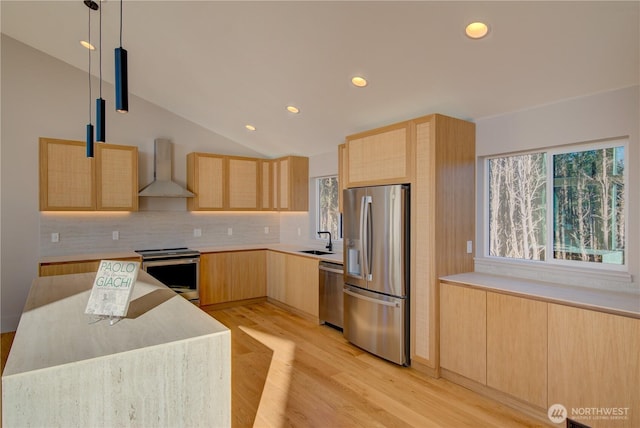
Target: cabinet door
<point x="463" y="331"/>
<point x="67" y="268"/>
<point x="248" y="274"/>
<point x="292" y="185"/>
<point x="380" y="157"/>
<point x="206" y="178"/>
<point x="276" y="275"/>
<point x="66" y="176"/>
<point x="267" y="186"/>
<point x="302" y="284"/>
<point x="517" y="347"/>
<point x="593" y="363"/>
<point x="243" y="183"/>
<point x="342" y="171"/>
<point x="214" y="283"/>
<point x="116" y="177"/>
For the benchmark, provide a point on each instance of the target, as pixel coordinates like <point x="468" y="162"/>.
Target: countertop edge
<point x="611" y="302"/>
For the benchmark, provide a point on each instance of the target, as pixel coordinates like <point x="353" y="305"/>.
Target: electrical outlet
<point x="55" y="237"/>
<point x="230" y="231"/>
<point x="469" y="247"/>
<point x="197" y="233"/>
<point x="266" y="230"/>
<point x="115" y="235"/>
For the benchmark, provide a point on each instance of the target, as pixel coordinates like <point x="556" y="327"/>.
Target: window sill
<point x="582" y="277"/>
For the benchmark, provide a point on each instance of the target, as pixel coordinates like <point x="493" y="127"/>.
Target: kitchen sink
<point x="315" y="252"/>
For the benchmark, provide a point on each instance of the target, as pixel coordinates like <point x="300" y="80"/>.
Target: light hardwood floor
<point x="289" y="372"/>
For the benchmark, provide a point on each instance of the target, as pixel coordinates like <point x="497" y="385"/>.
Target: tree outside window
<point x="572" y="211"/>
<point x="328" y="215"/>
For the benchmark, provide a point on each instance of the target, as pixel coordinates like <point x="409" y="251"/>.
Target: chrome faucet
<point x="329" y="245"/>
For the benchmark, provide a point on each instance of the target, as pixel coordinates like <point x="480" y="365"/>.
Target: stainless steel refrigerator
<point x="376" y="266"/>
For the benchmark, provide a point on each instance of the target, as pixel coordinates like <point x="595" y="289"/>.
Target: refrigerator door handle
<point x="371" y="299"/>
<point x="366" y="236"/>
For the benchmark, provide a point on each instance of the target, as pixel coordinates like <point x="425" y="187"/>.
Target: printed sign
<point x="112" y="288"/>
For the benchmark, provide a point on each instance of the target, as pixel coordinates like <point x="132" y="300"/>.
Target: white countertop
<point x="613" y="302"/>
<point x="54" y="329"/>
<point x="336" y="257"/>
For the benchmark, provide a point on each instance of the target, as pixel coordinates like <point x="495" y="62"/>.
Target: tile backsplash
<point x="93" y="232"/>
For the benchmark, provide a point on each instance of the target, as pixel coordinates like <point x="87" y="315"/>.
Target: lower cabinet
<point x="463" y="331"/>
<point x="232" y="276"/>
<point x="594" y="365"/>
<point x="67" y="268"/>
<point x="517" y="347"/>
<point x="293" y="280"/>
<point x="542" y="353"/>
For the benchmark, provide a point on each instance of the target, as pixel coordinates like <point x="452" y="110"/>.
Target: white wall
<point x="44" y="97"/>
<point x="590" y="118"/>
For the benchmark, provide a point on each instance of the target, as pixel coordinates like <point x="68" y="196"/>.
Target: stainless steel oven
<point x="177" y="268"/>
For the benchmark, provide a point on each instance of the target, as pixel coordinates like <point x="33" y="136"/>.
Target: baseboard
<point x="506" y="399"/>
<point x="296" y="311"/>
<point x="225" y="305"/>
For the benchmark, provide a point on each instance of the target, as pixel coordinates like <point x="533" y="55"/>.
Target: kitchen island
<point x="166" y="364"/>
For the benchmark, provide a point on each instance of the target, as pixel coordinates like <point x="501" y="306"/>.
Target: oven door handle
<point x="168" y="262"/>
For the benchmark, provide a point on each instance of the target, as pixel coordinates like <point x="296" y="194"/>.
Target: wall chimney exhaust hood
<point x="162" y="185"/>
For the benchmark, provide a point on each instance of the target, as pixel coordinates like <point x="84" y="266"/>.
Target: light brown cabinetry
<point x="292" y="183"/>
<point x="116" y="177"/>
<point x="594" y="363"/>
<point x="69" y="181"/>
<point x="517" y="347"/>
<point x="435" y="154"/>
<point x="463" y="331"/>
<point x="538" y="353"/>
<point x="293" y="281"/>
<point x="71" y="267"/>
<point x="380" y="156"/>
<point x="207" y="179"/>
<point x="267" y="199"/>
<point x="342" y="171"/>
<point x="233" y="183"/>
<point x="232" y="276"/>
<point x="244" y="183"/>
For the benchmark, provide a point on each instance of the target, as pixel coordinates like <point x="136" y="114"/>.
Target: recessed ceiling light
<point x="293" y="109"/>
<point x="87" y="45"/>
<point x="359" y="81"/>
<point x="476" y="30"/>
<point x="250" y="127"/>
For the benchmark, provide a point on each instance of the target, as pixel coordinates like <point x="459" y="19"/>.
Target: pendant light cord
<point x="120" y="23"/>
<point x="101" y="49"/>
<point x="89" y="71"/>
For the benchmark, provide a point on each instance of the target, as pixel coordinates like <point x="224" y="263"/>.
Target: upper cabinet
<point x="69" y="181"/>
<point x="206" y="178"/>
<point x="116" y="177"/>
<point x="292" y="183"/>
<point x="381" y="156"/>
<point x="233" y="183"/>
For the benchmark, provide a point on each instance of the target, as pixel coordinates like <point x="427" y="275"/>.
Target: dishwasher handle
<point x="328" y="269"/>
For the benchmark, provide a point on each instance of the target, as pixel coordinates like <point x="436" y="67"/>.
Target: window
<point x="328" y="214"/>
<point x="563" y="206"/>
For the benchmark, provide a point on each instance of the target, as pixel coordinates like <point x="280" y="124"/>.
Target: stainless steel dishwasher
<point x="331" y="287"/>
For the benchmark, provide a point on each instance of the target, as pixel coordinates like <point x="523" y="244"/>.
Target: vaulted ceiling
<point x="223" y="65"/>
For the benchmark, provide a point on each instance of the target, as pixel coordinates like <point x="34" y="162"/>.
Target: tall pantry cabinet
<point x="435" y="154"/>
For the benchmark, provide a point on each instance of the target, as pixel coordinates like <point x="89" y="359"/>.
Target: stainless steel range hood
<point x="162" y="185"/>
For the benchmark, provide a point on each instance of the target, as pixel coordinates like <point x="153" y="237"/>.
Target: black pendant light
<point x="92" y="5"/>
<point x="122" y="84"/>
<point x="101" y="124"/>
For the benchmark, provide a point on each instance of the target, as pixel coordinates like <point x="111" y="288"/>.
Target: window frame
<point x="549" y="152"/>
<point x="334" y="238"/>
